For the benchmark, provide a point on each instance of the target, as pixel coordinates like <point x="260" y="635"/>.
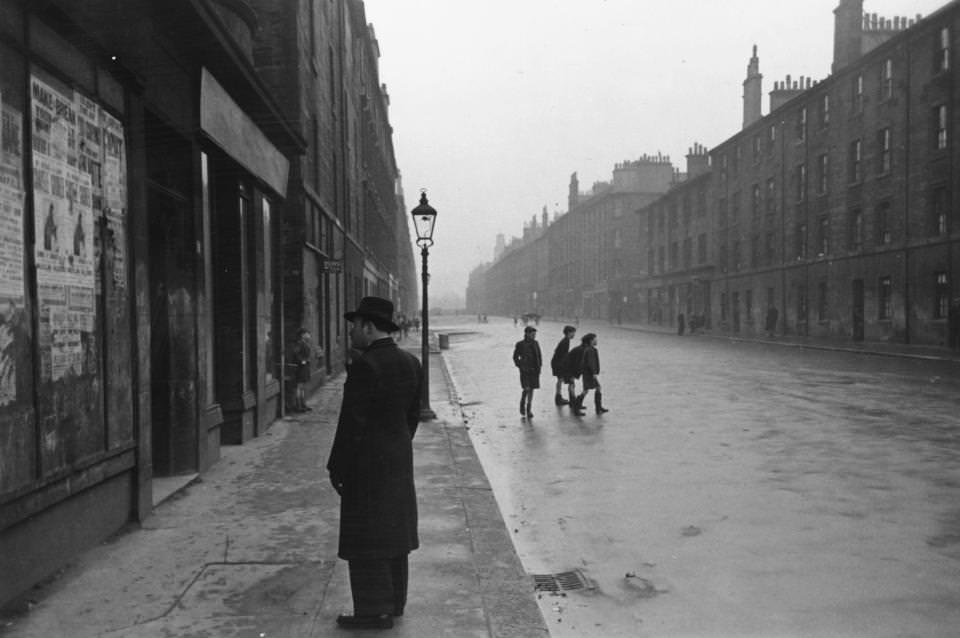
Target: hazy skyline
<point x="494" y="104"/>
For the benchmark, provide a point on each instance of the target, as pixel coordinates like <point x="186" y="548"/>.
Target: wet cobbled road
<point x="734" y="489"/>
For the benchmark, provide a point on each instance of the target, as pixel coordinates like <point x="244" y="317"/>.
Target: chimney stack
<point x="847" y="33"/>
<point x="752" y="91"/>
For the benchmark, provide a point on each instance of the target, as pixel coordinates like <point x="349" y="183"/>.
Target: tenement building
<point x="837" y="209"/>
<point x="835" y="214"/>
<point x="583" y="263"/>
<point x="181" y="191"/>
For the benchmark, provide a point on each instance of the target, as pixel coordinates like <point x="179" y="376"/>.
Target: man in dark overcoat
<point x="371" y="466"/>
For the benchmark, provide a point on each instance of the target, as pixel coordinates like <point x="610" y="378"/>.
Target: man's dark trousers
<point x="379" y="585"/>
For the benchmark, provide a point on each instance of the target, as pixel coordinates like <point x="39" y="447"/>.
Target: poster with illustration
<point x="12" y="284"/>
<point x="64" y="227"/>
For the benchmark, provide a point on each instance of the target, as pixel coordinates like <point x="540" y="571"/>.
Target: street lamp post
<point x="424" y="218"/>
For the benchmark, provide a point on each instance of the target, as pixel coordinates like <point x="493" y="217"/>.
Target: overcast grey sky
<point x="495" y="103"/>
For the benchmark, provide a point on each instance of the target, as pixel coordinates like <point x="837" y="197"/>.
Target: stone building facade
<point x="836" y="212"/>
<point x="182" y="187"/>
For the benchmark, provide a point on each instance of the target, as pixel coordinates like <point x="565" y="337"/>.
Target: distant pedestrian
<point x="371" y="467"/>
<point x="681" y="324"/>
<point x="302" y="353"/>
<point x="559" y="369"/>
<point x="770" y="322"/>
<point x="527" y="357"/>
<point x="591" y="372"/>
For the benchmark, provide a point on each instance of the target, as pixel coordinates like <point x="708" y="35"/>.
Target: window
<point x="735" y="206"/>
<point x="802" y="125"/>
<point x="883" y="156"/>
<point x="722" y="211"/>
<point x="770" y="248"/>
<point x="857" y="94"/>
<point x="755" y="251"/>
<point x="883" y="223"/>
<point x="737" y="263"/>
<point x="702" y="248"/>
<point x="801" y="181"/>
<point x="771" y="196"/>
<point x="771" y="138"/>
<point x="748" y="304"/>
<point x="801" y="303"/>
<point x="823" y="173"/>
<point x="855" y="239"/>
<point x="756" y="148"/>
<point x="938" y="211"/>
<point x="674" y="256"/>
<point x="855" y="160"/>
<point x="886" y="79"/>
<point x="687" y="252"/>
<point x="755" y="201"/>
<point x="724" y="257"/>
<point x="941" y="296"/>
<point x="822" y="301"/>
<point x="737" y="156"/>
<point x="801" y="241"/>
<point x="884" y="298"/>
<point x="941" y="58"/>
<point x="823" y="235"/>
<point x="940" y="119"/>
<point x="724" y="305"/>
<point x="617" y="238"/>
<point x="825" y="111"/>
<point x="651" y="261"/>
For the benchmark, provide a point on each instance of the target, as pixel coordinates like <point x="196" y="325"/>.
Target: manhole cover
<point x="564" y="581"/>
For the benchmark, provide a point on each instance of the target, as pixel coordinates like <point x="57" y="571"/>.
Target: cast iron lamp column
<point x="424" y="218"/>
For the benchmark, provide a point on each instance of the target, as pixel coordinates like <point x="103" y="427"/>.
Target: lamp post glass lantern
<point x="424" y="219"/>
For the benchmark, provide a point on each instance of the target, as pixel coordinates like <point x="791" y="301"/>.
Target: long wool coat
<point x="372" y="454"/>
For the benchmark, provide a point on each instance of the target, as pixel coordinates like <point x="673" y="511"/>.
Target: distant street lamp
<point x="424" y="218"/>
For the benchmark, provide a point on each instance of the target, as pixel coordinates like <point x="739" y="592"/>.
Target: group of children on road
<point x="567" y="364"/>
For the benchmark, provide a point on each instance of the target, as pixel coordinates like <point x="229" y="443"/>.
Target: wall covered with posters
<point x="66" y="331"/>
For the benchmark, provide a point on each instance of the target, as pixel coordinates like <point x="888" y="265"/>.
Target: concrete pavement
<point x="249" y="548"/>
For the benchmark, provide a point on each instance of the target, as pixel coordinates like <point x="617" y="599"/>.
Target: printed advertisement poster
<point x="114" y="195"/>
<point x="12" y="285"/>
<point x="64" y="230"/>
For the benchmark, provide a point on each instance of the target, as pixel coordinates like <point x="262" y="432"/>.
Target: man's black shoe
<point x="559" y="400"/>
<point x="383" y="621"/>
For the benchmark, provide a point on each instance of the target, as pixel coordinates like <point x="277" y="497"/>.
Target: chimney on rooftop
<point x="752" y="91"/>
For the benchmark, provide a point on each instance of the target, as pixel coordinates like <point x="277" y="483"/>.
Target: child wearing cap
<point x="527" y="358"/>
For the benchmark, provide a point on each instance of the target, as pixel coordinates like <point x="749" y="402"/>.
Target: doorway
<point x="172" y="339"/>
<point x="857" y="306"/>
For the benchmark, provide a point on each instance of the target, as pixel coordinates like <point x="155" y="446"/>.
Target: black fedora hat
<point x="375" y="308"/>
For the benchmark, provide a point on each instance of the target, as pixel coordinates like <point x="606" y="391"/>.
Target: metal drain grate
<point x="565" y="581"/>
